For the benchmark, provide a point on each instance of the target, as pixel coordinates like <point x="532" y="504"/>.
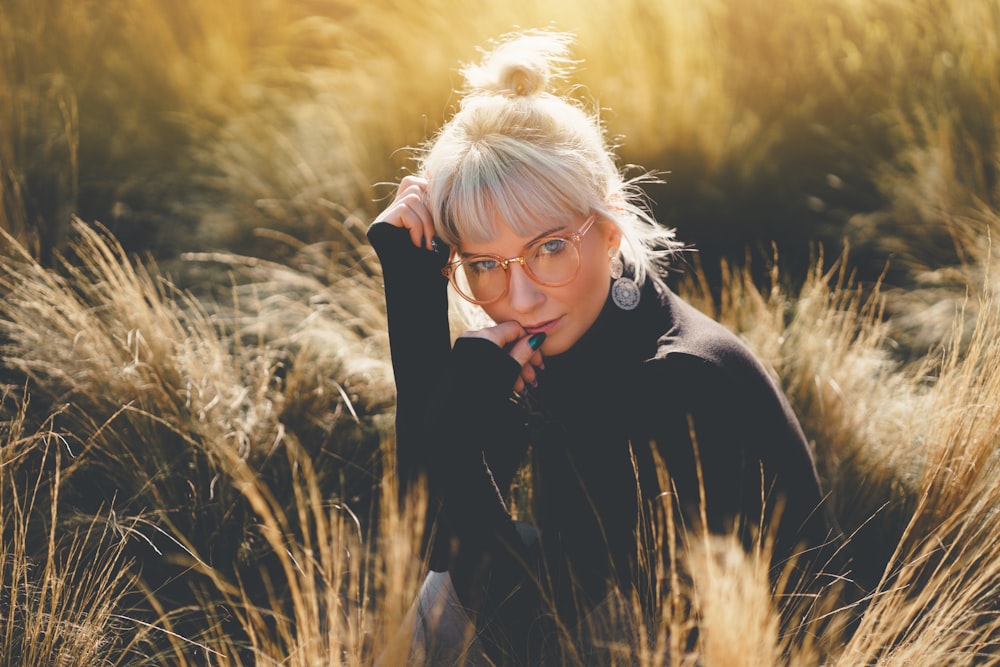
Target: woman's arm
<point x="416" y="304"/>
<point x="493" y="570"/>
<point x="448" y="447"/>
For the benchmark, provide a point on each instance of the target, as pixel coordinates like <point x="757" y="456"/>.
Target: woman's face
<point x="564" y="313"/>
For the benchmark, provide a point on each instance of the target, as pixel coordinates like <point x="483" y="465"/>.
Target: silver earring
<point x="624" y="292"/>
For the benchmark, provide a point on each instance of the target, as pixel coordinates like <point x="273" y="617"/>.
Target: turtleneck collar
<point x="600" y="363"/>
<point x="617" y="334"/>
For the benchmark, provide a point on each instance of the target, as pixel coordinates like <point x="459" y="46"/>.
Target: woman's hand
<point x="409" y="210"/>
<point x="522" y="348"/>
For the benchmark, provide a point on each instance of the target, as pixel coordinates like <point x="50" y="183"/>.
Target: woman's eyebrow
<point x="547" y="232"/>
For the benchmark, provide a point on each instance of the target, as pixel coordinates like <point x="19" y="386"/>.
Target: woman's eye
<point x="552" y="246"/>
<point x="483" y="265"/>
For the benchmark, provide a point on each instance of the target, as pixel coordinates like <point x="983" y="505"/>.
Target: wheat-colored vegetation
<point x="195" y="393"/>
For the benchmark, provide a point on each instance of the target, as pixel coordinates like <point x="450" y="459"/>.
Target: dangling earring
<point x="624" y="292"/>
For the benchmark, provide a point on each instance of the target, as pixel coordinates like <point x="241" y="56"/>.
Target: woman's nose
<point x="524" y="293"/>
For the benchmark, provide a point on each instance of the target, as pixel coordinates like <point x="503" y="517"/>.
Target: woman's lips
<point x="543" y="327"/>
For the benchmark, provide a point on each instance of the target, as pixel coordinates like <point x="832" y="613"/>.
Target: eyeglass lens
<point x="551" y="262"/>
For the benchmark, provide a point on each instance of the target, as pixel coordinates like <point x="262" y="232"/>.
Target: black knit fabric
<point x="661" y="381"/>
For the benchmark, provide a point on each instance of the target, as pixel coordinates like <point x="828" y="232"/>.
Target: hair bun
<point x="521" y="64"/>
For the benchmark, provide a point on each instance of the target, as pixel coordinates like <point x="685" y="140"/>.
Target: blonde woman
<point x="591" y="362"/>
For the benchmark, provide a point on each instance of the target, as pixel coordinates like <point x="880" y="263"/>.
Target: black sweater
<point x="636" y="387"/>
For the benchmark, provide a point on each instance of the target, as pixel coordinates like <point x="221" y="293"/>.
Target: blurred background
<point x="186" y="125"/>
<point x="196" y="399"/>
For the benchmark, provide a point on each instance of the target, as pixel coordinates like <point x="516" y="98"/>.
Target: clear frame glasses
<point x="552" y="261"/>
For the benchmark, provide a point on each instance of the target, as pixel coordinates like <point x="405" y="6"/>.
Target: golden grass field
<point x="196" y="405"/>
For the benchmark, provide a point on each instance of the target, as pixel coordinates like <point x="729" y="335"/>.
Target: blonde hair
<point x="517" y="151"/>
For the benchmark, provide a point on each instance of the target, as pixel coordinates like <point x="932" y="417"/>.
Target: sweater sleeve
<point x="416" y="302"/>
<point x="469" y="415"/>
<point x="452" y="412"/>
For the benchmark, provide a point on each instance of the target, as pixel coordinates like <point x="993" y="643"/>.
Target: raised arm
<point x="416" y="302"/>
<point x="444" y="424"/>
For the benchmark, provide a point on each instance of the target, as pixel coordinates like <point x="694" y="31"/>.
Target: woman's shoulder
<point x="699" y="362"/>
<point x="693" y="335"/>
<point x="693" y="350"/>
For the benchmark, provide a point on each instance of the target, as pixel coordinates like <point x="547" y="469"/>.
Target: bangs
<point x="529" y="191"/>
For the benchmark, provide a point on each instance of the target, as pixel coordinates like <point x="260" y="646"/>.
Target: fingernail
<point x="534" y="384"/>
<point x="536" y="340"/>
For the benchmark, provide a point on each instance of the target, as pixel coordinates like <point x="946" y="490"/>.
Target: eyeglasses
<point x="552" y="261"/>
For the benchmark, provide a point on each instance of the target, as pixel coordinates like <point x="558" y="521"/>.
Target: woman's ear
<point x="616" y="207"/>
<point x="614" y="235"/>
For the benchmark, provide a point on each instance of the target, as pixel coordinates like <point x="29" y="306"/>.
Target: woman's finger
<point x="525" y="351"/>
<point x="523" y="348"/>
<point x="416" y="215"/>
<point x="529" y="376"/>
<point x="505" y="334"/>
<point x="410" y="210"/>
<point x="512" y="337"/>
<point x="414" y="224"/>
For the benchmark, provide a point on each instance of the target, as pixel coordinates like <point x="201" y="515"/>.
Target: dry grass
<point x="315" y="577"/>
<point x="187" y="429"/>
<point x="182" y="126"/>
<point x="193" y="476"/>
<point x="908" y="454"/>
<point x="65" y="594"/>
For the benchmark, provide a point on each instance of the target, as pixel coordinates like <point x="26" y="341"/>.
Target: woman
<point x="591" y="361"/>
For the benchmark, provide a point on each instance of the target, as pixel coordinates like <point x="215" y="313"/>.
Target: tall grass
<point x="191" y="461"/>
<point x="168" y="412"/>
<point x="185" y="126"/>
<point x="65" y="594"/>
<point x="316" y="575"/>
<point x="908" y="455"/>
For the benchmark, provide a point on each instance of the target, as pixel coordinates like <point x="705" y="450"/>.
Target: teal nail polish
<point x="536" y="340"/>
